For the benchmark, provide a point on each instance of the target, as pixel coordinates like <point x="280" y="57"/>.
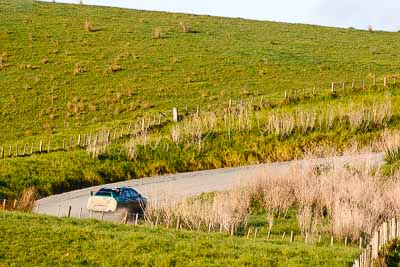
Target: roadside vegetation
<point x="346" y="202"/>
<point x="34" y="240"/>
<point x="390" y="255"/>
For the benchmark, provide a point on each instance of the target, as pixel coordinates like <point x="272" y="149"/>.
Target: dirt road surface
<point x="182" y="185"/>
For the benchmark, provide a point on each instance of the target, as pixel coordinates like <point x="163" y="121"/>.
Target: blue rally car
<point x="111" y="199"/>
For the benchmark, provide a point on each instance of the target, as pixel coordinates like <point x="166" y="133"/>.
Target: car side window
<point x="133" y="193"/>
<point x="125" y="194"/>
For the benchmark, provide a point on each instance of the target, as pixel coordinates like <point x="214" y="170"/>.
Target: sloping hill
<point x="55" y="76"/>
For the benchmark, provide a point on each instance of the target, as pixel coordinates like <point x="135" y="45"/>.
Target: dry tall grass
<point x="24" y="203"/>
<point x="354" y="200"/>
<point x="157" y="33"/>
<point x="184" y="27"/>
<point x="195" y="128"/>
<point x="88" y="26"/>
<point x="361" y="116"/>
<point x="27" y="199"/>
<point x="338" y="200"/>
<point x="390" y="144"/>
<point x="226" y="211"/>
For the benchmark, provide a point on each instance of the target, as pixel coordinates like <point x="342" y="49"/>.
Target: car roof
<point x="115" y="188"/>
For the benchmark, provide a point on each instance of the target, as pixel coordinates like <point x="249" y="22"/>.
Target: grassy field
<point x="57" y="77"/>
<point x="74" y="69"/>
<point x="32" y="240"/>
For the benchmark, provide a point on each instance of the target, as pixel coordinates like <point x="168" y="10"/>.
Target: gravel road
<point x="184" y="185"/>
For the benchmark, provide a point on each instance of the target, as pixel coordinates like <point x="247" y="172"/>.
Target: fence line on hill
<point x="250" y="232"/>
<point x="94" y="142"/>
<point x="91" y="141"/>
<point x="383" y="235"/>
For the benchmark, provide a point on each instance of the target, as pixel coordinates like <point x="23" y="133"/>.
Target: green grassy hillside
<point x="32" y="240"/>
<point x="74" y="69"/>
<point x="43" y="90"/>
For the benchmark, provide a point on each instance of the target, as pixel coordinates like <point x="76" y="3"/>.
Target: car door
<point x="124" y="194"/>
<point x="135" y="199"/>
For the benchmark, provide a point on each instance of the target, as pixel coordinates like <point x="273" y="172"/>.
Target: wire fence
<point x="96" y="142"/>
<point x="249" y="232"/>
<point x="382" y="236"/>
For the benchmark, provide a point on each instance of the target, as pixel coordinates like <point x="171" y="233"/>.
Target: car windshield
<point x="105" y="193"/>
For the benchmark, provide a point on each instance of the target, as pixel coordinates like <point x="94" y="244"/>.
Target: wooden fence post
<point x="393" y="229"/>
<point x="24" y="152"/>
<point x="128" y="131"/>
<point x="69" y="211"/>
<point x="369" y="256"/>
<point x="375" y="244"/>
<point x="363" y="84"/>
<point x="31" y="148"/>
<point x="283" y="236"/>
<point x="385" y="81"/>
<point x="248" y="232"/>
<point x="361" y="259"/>
<point x="286" y="94"/>
<point x="4" y="204"/>
<point x="345" y="241"/>
<point x="126" y="218"/>
<point x="291" y="237"/>
<point x="361" y="243"/>
<point x="80" y="213"/>
<point x="175" y="114"/>
<point x="48" y="146"/>
<point x="385" y="230"/>
<point x="136" y="218"/>
<point x="40" y="146"/>
<point x="16" y="150"/>
<point x="331" y="240"/>
<point x="10" y="152"/>
<point x="333" y="87"/>
<point x="79" y="139"/>
<point x="398" y="228"/>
